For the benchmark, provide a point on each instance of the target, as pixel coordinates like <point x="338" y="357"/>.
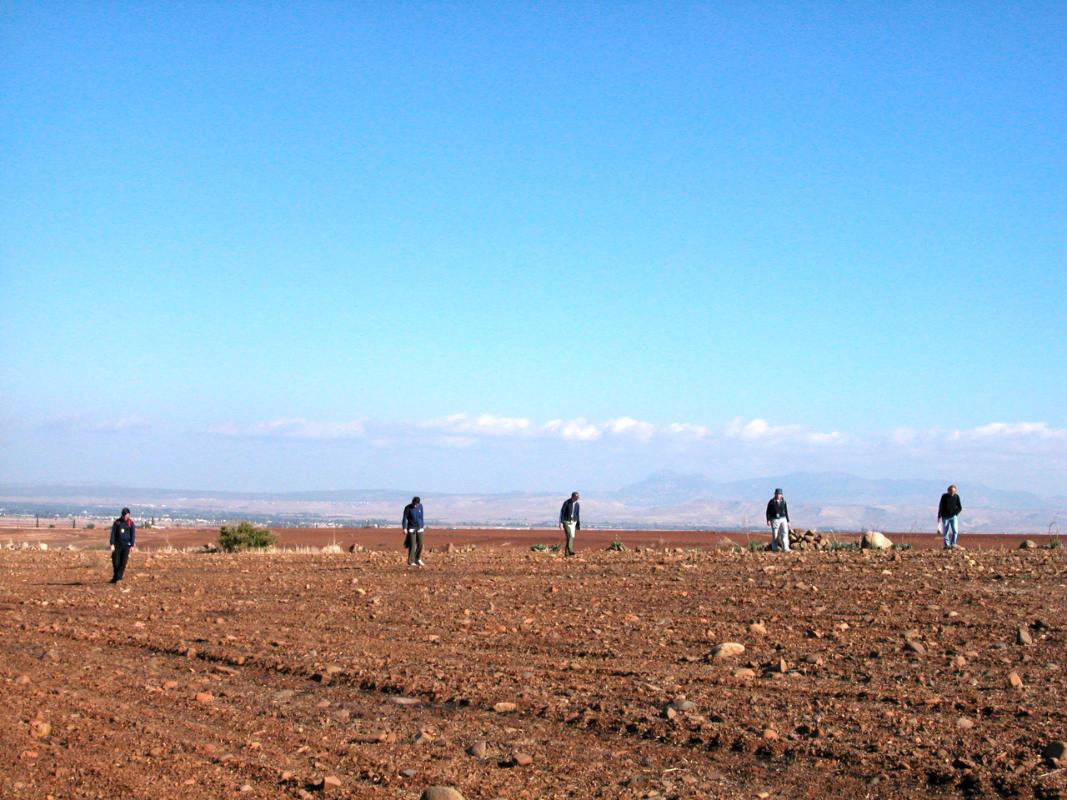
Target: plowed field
<point x="513" y="674"/>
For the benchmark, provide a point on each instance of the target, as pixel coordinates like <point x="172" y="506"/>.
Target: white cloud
<point x="631" y="427"/>
<point x="688" y="429"/>
<point x="579" y="429"/>
<point x="1035" y="430"/>
<point x="297" y="428"/>
<point x="484" y="424"/>
<point x="76" y="423"/>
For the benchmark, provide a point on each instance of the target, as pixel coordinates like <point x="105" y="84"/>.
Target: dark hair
<point x="416" y="499"/>
<point x="125" y="511"/>
<point x="574" y="495"/>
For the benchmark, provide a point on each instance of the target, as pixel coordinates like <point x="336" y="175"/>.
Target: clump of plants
<point x="846" y="545"/>
<point x="245" y="536"/>
<point x="755" y="545"/>
<point x="540" y="547"/>
<point x="1053" y="543"/>
<point x="902" y="546"/>
<point x="617" y="546"/>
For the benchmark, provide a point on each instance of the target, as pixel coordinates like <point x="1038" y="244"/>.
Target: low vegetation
<point x="245" y="536"/>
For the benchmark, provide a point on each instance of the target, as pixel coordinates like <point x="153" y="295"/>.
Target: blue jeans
<point x="951" y="528"/>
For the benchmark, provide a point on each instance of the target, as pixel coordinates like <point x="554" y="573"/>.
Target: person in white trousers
<point x="778" y="522"/>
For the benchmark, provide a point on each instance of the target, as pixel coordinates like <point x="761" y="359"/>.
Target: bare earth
<point x="259" y="675"/>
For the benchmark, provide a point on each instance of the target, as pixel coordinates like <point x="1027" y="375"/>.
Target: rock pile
<point x="808" y="540"/>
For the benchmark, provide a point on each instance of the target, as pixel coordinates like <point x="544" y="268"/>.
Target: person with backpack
<point x="123" y="540"/>
<point x="414" y="526"/>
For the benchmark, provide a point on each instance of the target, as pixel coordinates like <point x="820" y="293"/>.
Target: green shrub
<point x="754" y="545"/>
<point x="902" y="546"/>
<point x="555" y="548"/>
<point x="539" y="547"/>
<point x="846" y="545"/>
<point x="245" y="536"/>
<point x="616" y="546"/>
<point x="1053" y="543"/>
<point x="90" y="525"/>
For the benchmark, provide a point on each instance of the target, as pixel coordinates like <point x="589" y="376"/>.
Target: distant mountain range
<point x="825" y="500"/>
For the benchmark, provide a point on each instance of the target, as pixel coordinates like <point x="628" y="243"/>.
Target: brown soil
<point x="258" y="675"/>
<point x="392" y="538"/>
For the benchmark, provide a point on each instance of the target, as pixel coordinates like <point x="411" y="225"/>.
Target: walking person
<point x="948" y="512"/>
<point x="778" y="522"/>
<point x="570" y="522"/>
<point x="123" y="538"/>
<point x="414" y="527"/>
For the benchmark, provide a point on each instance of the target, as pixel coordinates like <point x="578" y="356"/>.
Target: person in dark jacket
<point x="948" y="512"/>
<point x="414" y="526"/>
<point x="570" y="522"/>
<point x="123" y="540"/>
<point x="778" y="521"/>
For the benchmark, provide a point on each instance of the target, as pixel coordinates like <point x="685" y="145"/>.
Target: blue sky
<point x="494" y="246"/>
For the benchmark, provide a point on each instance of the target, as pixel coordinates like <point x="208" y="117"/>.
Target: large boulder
<point x="873" y="540"/>
<point x="441" y="793"/>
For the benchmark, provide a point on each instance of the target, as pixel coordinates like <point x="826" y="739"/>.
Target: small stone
<point x="406" y="701"/>
<point x="727" y="650"/>
<point x="1014" y="680"/>
<point x="504" y="708"/>
<point x="39" y="729"/>
<point x="247" y="788"/>
<point x="1022" y="636"/>
<point x="477" y="749"/>
<point x="965" y="723"/>
<point x="915" y="646"/>
<point x="1055" y="754"/>
<point x="204" y="697"/>
<point x="408" y="773"/>
<point x="522" y="759"/>
<point x="745" y="673"/>
<point x="328" y="783"/>
<point x="22" y="680"/>
<point x="959" y="662"/>
<point x="770" y="734"/>
<point x="441" y="793"/>
<point x="757" y="629"/>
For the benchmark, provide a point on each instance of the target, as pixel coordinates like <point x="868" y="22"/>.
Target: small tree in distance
<point x="245" y="536"/>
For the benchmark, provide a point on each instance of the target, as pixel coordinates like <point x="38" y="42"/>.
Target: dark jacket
<point x="412" y="517"/>
<point x="950" y="506"/>
<point x="777" y="508"/>
<point x="571" y="510"/>
<point x="122" y="532"/>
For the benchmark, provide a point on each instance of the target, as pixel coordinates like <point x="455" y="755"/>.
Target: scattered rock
<point x="504" y="708"/>
<point x="205" y="697"/>
<point x="1014" y="680"/>
<point x="873" y="540"/>
<point x="477" y="749"/>
<point x="959" y="662"/>
<point x="22" y="680"/>
<point x="915" y="646"/>
<point x="328" y="783"/>
<point x="965" y="723"/>
<point x="1022" y="635"/>
<point x="727" y="650"/>
<point x="408" y="773"/>
<point x="39" y="729"/>
<point x="406" y="701"/>
<point x="1055" y="754"/>
<point x="757" y="629"/>
<point x="1027" y="544"/>
<point x="745" y="673"/>
<point x="522" y="759"/>
<point x="441" y="793"/>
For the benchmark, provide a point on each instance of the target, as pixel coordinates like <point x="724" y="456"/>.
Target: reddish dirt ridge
<point x="512" y="674"/>
<point x="392" y="538"/>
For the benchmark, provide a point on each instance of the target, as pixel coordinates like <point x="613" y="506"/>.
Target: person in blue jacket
<point x="414" y="527"/>
<point x="123" y="540"/>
